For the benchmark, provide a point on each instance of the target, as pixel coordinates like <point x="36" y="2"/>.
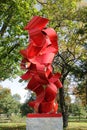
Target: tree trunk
<point x="64" y="108"/>
<point x="86" y="94"/>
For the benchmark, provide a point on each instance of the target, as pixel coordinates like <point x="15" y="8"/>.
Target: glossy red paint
<point x="37" y="115"/>
<point x="37" y="61"/>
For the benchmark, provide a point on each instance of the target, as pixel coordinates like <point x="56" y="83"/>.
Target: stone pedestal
<point x="44" y="122"/>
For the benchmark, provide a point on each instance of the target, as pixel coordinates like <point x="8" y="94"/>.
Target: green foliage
<point x="4" y="92"/>
<point x="8" y="104"/>
<point x="14" y="15"/>
<point x="17" y="118"/>
<point x="17" y="97"/>
<point x="25" y="109"/>
<point x="75" y="110"/>
<point x="80" y="92"/>
<point x="64" y="18"/>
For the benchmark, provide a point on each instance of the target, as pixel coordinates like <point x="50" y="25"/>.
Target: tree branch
<point x="41" y="2"/>
<point x="10" y="50"/>
<point x="13" y="47"/>
<point x="3" y="29"/>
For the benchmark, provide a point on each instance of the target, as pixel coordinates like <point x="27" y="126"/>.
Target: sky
<point x="16" y="87"/>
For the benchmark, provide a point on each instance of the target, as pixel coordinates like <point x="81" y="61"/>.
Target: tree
<point x="62" y="15"/>
<point x="65" y="19"/>
<point x="17" y="97"/>
<point x="4" y="92"/>
<point x="13" y="17"/>
<point x="7" y="103"/>
<point x="81" y="70"/>
<point x="25" y="109"/>
<point x="80" y="93"/>
<point x="75" y="110"/>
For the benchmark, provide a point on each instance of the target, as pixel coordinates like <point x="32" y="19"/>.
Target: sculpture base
<point x="44" y="122"/>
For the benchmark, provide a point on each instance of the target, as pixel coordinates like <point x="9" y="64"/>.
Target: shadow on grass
<point x="13" y="128"/>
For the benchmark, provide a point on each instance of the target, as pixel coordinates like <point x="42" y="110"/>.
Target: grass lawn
<point x="22" y="126"/>
<point x="77" y="126"/>
<point x="12" y="126"/>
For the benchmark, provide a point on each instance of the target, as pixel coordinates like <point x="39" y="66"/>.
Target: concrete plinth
<point x="44" y="122"/>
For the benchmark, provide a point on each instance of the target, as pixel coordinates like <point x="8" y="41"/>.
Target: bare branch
<point x="71" y="53"/>
<point x="40" y="2"/>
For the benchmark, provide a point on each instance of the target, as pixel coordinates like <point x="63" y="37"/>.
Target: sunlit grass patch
<point x="77" y="126"/>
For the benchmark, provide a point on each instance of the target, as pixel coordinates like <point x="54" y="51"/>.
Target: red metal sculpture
<point x="37" y="60"/>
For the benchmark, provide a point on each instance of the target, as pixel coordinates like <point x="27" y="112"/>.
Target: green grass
<point x="12" y="126"/>
<point x="22" y="126"/>
<point x="76" y="119"/>
<point x="77" y="126"/>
